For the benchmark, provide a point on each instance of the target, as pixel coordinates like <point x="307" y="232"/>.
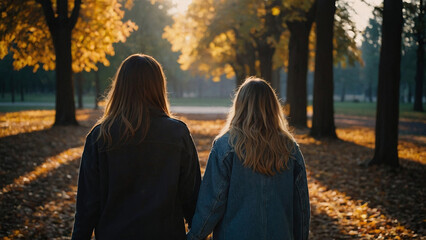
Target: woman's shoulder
<point x="222" y="140"/>
<point x="94" y="132"/>
<point x="297" y="156"/>
<point x="175" y="125"/>
<point x="177" y="122"/>
<point x="221" y="145"/>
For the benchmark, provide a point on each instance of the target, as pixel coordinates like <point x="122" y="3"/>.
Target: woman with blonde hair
<point x="255" y="185"/>
<point x="139" y="174"/>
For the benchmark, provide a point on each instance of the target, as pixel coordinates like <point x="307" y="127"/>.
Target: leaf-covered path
<point x="39" y="169"/>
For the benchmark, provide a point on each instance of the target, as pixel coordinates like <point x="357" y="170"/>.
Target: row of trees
<point x="67" y="36"/>
<point x="215" y="38"/>
<point x="151" y="19"/>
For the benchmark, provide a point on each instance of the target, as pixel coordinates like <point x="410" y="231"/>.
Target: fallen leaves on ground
<point x="39" y="169"/>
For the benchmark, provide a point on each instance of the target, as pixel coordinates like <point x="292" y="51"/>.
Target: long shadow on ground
<point x="22" y="153"/>
<point x="398" y="194"/>
<point x="42" y="209"/>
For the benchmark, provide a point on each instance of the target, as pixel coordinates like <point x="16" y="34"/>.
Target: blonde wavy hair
<point x="258" y="129"/>
<point x="138" y="86"/>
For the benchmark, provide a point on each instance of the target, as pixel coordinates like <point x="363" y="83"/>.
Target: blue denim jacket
<point x="237" y="203"/>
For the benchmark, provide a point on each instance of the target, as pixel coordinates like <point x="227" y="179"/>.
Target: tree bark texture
<point x="79" y="79"/>
<point x="298" y="48"/>
<point x="65" y="106"/>
<point x="240" y="74"/>
<point x="297" y="74"/>
<point x="266" y="54"/>
<point x="386" y="149"/>
<point x="323" y="108"/>
<point x="60" y="27"/>
<point x="264" y="47"/>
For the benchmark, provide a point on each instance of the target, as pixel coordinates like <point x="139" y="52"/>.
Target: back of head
<point x="138" y="87"/>
<point x="257" y="127"/>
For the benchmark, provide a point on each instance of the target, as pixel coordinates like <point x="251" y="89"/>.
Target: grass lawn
<point x="43" y="98"/>
<point x="369" y="110"/>
<point x="346" y="108"/>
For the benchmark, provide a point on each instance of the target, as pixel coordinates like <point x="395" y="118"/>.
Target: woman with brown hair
<point x="255" y="185"/>
<point x="139" y="173"/>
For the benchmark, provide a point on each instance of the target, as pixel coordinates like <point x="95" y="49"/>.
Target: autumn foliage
<point x="24" y="33"/>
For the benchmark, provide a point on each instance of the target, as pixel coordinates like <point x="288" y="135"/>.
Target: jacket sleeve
<point x="301" y="205"/>
<point x="213" y="197"/>
<point x="189" y="180"/>
<point x="88" y="192"/>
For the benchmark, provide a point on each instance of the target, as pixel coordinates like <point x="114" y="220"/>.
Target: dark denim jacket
<point x="140" y="190"/>
<point x="237" y="203"/>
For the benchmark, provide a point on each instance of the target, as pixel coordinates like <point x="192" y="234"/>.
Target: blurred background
<point x="197" y="46"/>
<point x="350" y="75"/>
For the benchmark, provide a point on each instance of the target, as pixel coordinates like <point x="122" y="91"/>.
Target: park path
<point x="406" y="126"/>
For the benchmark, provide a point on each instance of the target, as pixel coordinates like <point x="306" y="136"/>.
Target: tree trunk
<point x="79" y="78"/>
<point x="251" y="59"/>
<point x="410" y="93"/>
<point x="323" y="109"/>
<point x="65" y="106"/>
<point x="418" y="104"/>
<point x="298" y="48"/>
<point x="240" y="74"/>
<point x="343" y="93"/>
<point x="386" y="149"/>
<point x="97" y="89"/>
<point x="60" y="24"/>
<point x="266" y="53"/>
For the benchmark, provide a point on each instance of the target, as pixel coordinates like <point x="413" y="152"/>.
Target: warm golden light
<point x="50" y="164"/>
<point x="180" y="6"/>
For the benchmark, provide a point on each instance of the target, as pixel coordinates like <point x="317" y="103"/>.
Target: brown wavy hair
<point x="138" y="86"/>
<point x="258" y="129"/>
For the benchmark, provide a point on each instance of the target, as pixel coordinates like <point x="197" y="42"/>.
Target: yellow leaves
<point x="36" y="67"/>
<point x="94" y="38"/>
<point x="99" y="26"/>
<point x="186" y="33"/>
<point x="229" y="72"/>
<point x="276" y="11"/>
<point x="261" y="12"/>
<point x="129" y="4"/>
<point x="3" y="49"/>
